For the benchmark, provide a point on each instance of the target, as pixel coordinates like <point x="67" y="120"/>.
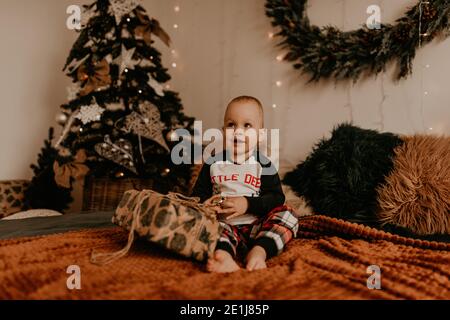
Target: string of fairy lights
<point x="174" y="52"/>
<point x="277" y="83"/>
<point x="279" y="100"/>
<point x="424" y="92"/>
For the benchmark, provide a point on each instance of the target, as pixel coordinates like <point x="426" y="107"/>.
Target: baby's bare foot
<point x="222" y="262"/>
<point x="256" y="259"/>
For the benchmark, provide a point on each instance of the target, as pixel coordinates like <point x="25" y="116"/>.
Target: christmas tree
<point x="119" y="117"/>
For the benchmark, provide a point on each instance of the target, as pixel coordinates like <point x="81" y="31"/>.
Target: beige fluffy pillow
<point x="298" y="204"/>
<point x="416" y="194"/>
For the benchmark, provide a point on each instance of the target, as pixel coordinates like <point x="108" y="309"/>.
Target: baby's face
<point x="242" y="122"/>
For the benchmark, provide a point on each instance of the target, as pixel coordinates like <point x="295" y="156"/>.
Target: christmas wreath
<point x="327" y="52"/>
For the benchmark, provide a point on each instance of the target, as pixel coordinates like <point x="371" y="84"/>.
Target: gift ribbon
<point x="106" y="258"/>
<point x="191" y="202"/>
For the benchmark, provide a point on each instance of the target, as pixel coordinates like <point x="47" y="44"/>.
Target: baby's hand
<point x="233" y="207"/>
<point x="212" y="203"/>
<point x="213" y="200"/>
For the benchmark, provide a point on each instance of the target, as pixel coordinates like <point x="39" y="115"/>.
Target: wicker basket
<point x="104" y="194"/>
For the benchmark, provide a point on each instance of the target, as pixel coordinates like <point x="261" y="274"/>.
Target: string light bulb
<point x="425" y="34"/>
<point x="176" y="8"/>
<point x="279" y="83"/>
<point x="119" y="174"/>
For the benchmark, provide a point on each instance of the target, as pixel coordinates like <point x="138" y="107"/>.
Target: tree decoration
<point x="147" y="27"/>
<point x="118" y="152"/>
<point x="110" y="35"/>
<point x="103" y="95"/>
<point x="94" y="76"/>
<point x="328" y="52"/>
<point x="121" y="8"/>
<point x="90" y="113"/>
<point x="116" y="106"/>
<point x="61" y="118"/>
<point x="67" y="128"/>
<point x="72" y="170"/>
<point x="125" y="60"/>
<point x="75" y="64"/>
<point x="155" y="85"/>
<point x="72" y="91"/>
<point x="88" y="13"/>
<point x="146" y="123"/>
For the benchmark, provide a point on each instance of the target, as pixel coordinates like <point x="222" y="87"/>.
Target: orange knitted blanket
<point x="328" y="260"/>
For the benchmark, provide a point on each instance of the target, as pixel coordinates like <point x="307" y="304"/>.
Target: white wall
<point x="222" y="50"/>
<point x="34" y="45"/>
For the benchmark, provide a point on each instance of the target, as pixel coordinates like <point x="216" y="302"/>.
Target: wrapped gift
<point x="173" y="221"/>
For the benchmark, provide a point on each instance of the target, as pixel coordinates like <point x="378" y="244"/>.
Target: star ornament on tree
<point x="121" y="8"/>
<point x="125" y="60"/>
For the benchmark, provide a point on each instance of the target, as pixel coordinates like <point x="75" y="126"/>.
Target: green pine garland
<point x="328" y="52"/>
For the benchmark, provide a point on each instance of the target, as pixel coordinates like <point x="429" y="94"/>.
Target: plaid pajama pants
<point x="271" y="232"/>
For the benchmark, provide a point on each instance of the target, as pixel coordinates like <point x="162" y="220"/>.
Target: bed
<point x="329" y="259"/>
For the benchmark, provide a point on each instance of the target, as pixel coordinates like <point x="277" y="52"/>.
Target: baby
<point x="243" y="188"/>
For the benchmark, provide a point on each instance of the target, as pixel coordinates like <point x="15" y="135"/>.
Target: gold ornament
<point x="61" y="118"/>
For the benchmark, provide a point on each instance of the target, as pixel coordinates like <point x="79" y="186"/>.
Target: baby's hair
<point x="249" y="99"/>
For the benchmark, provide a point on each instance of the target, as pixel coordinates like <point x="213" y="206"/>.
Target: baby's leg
<point x="222" y="262"/>
<point x="276" y="229"/>
<point x="223" y="259"/>
<point x="256" y="259"/>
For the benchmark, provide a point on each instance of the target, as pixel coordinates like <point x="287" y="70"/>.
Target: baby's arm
<point x="271" y="196"/>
